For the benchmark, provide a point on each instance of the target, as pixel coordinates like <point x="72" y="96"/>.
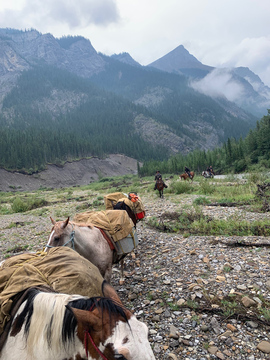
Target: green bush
<point x="18" y="205"/>
<point x="201" y="201"/>
<point x="179" y="187"/>
<point x="206" y="188"/>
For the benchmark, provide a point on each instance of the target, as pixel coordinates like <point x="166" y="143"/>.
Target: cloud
<point x="219" y="83"/>
<point x="71" y="13"/>
<point x="253" y="53"/>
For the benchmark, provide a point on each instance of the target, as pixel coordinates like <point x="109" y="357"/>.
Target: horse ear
<point x="65" y="223"/>
<point x="109" y="292"/>
<point x="53" y="221"/>
<point x="87" y="318"/>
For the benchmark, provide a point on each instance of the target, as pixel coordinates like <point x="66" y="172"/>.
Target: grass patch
<point x="194" y="222"/>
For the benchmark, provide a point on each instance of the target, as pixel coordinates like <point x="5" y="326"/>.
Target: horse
<point x="50" y="325"/>
<point x="160" y="186"/>
<point x="207" y="174"/>
<point x="89" y="241"/>
<point x="186" y="177"/>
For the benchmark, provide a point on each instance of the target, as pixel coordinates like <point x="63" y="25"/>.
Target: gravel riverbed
<point x="177" y="284"/>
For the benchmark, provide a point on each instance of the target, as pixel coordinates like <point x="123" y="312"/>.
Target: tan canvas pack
<point x="116" y="222"/>
<point x="61" y="269"/>
<point x="112" y="199"/>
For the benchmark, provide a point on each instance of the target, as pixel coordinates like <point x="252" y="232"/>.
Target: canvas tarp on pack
<point x="61" y="269"/>
<point x="116" y="222"/>
<point x="112" y="199"/>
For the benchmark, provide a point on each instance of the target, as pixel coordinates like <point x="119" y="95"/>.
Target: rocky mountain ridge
<point x="166" y="99"/>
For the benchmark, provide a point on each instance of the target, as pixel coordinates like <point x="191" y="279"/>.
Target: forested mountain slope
<point x="61" y="100"/>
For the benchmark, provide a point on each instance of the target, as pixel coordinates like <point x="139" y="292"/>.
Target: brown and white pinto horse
<point x="186" y="177"/>
<point x="57" y="326"/>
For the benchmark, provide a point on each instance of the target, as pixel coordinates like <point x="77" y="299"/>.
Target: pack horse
<point x="50" y="325"/>
<point x="89" y="235"/>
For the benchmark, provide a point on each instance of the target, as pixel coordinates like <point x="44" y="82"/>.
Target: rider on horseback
<point x="210" y="170"/>
<point x="187" y="171"/>
<point x="158" y="177"/>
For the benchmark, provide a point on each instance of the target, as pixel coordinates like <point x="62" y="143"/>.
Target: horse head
<point x="60" y="234"/>
<point x="111" y="330"/>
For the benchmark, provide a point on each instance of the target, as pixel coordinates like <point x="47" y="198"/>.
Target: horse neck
<point x="44" y="339"/>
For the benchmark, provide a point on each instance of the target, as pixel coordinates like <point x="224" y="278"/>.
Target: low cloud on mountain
<point x="218" y="83"/>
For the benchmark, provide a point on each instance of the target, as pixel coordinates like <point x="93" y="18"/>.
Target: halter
<point x="72" y="236"/>
<point x="88" y="336"/>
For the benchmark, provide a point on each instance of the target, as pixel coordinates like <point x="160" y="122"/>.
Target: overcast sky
<point x="217" y="32"/>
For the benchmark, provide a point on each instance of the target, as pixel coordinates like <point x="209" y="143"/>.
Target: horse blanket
<point x="61" y="269"/>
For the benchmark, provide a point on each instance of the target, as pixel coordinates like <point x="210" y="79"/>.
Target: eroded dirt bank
<point x="80" y="172"/>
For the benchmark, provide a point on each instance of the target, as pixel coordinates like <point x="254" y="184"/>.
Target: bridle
<point x="72" y="240"/>
<point x="87" y="336"/>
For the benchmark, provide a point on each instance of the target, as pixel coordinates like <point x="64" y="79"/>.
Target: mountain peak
<point x="125" y="58"/>
<point x="178" y="60"/>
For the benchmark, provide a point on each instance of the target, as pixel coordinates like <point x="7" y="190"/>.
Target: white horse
<point x="207" y="174"/>
<point x="88" y="241"/>
<point x="56" y="326"/>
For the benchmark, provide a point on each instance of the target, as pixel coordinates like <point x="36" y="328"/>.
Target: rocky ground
<point x="182" y="287"/>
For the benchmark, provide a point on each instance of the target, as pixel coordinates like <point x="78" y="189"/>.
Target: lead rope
<point x="86" y="336"/>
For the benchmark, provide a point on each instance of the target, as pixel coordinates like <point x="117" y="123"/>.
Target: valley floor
<point x="177" y="284"/>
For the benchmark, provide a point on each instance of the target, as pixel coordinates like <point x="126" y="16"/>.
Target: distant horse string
<point x="186" y="177"/>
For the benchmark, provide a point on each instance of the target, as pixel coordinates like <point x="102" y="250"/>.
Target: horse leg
<point x="122" y="278"/>
<point x="108" y="273"/>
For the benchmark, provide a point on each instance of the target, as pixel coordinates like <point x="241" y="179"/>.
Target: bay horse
<point x="186" y="177"/>
<point x="59" y="326"/>
<point x="160" y="186"/>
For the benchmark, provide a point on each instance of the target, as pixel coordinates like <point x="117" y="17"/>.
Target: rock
<point x="231" y="327"/>
<point x="173" y="332"/>
<point x="180" y="302"/>
<point x="220" y="355"/>
<point x="264" y="346"/>
<point x="204" y="328"/>
<point x="241" y="287"/>
<point x="172" y="356"/>
<point x="212" y="350"/>
<point x="267" y="284"/>
<point x="252" y="324"/>
<point x="247" y="302"/>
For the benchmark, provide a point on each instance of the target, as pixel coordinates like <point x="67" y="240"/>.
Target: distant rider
<point x="211" y="170"/>
<point x="158" y="176"/>
<point x="187" y="171"/>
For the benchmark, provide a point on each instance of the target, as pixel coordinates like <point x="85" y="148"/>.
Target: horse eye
<point x="56" y="238"/>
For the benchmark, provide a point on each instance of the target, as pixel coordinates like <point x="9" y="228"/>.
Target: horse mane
<point x="113" y="308"/>
<point x="50" y="316"/>
<point x="121" y="205"/>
